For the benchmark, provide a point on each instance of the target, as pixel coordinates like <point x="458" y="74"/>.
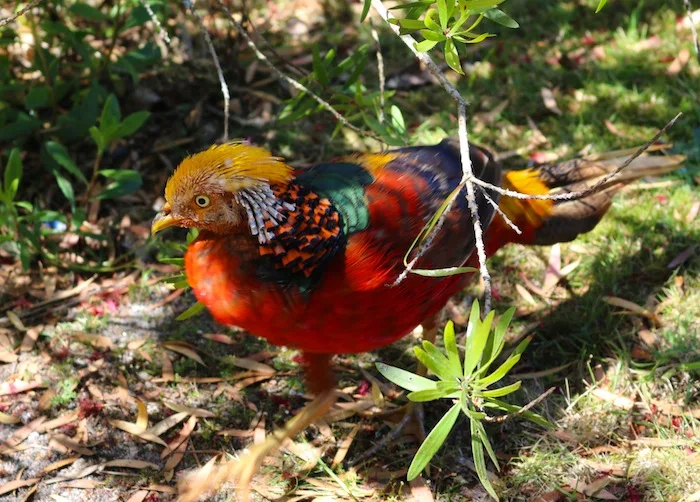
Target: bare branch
<point x="499" y="211"/>
<point x="467" y="171"/>
<point x="693" y="28"/>
<point x="156" y="22"/>
<point x="219" y="71"/>
<point x="297" y="85"/>
<point x="522" y="410"/>
<point x="380" y="68"/>
<point x="588" y="191"/>
<point x="24" y="9"/>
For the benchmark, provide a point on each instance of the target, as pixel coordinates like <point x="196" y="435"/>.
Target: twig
<point x="500" y="211"/>
<point x="693" y="28"/>
<point x="380" y="68"/>
<point x="224" y="88"/>
<point x="467" y="172"/>
<point x="581" y="193"/>
<point x="297" y="85"/>
<point x="24" y="9"/>
<point x="156" y="22"/>
<point x="527" y="407"/>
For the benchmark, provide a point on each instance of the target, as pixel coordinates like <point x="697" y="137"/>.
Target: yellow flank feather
<point x="237" y="165"/>
<point x="374" y="162"/>
<point x="533" y="212"/>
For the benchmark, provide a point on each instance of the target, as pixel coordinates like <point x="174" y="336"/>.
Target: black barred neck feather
<point x="261" y="205"/>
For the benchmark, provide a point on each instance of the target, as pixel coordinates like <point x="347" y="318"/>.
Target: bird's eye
<point x="202" y="200"/>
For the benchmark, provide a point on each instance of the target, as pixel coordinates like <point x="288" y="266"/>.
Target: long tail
<point x="545" y="222"/>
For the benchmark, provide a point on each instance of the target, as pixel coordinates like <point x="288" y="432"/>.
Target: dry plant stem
<point x="467" y="172"/>
<point x="154" y="19"/>
<point x="693" y="28"/>
<point x="380" y="69"/>
<point x="24" y="9"/>
<point x="499" y="211"/>
<point x="297" y="85"/>
<point x="224" y="88"/>
<point x="522" y="410"/>
<point x="588" y="191"/>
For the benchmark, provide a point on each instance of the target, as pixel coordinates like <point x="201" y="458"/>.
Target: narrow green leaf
<point x="511" y="408"/>
<point x="62" y="157"/>
<point x="111" y="115"/>
<point x="13" y="175"/>
<point x="500" y="17"/>
<point x="443" y="364"/>
<point x="421" y="396"/>
<point x="487" y="444"/>
<point x="452" y="56"/>
<point x="405" y="379"/>
<point x="477" y="39"/>
<point x="397" y="119"/>
<point x="411" y="24"/>
<point x="448" y="386"/>
<point x="443" y="13"/>
<point x="443" y="272"/>
<point x="365" y="10"/>
<point x="318" y="67"/>
<point x="432" y="35"/>
<point x="195" y="309"/>
<point x="503" y="391"/>
<point x="481" y="4"/>
<point x="451" y="348"/>
<point x="429" y="362"/>
<point x="480" y="461"/>
<point x="87" y="12"/>
<point x="65" y="186"/>
<point x="130" y="125"/>
<point x="411" y="5"/>
<point x="433" y="442"/>
<point x="601" y="4"/>
<point x="494" y="348"/>
<point x="99" y="139"/>
<point x="476" y="342"/>
<point x="430" y="21"/>
<point x="172" y="261"/>
<point x="504" y="368"/>
<point x="126" y="181"/>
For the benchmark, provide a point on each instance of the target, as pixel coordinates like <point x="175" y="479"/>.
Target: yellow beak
<point x="163" y="220"/>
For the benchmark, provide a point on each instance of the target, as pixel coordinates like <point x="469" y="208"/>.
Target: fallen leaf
<point x="20" y="435"/>
<point x="167" y="423"/>
<point x="8" y="419"/>
<point x="181" y="436"/>
<point x="18" y="386"/>
<point x="553" y="272"/>
<point x="84" y="484"/>
<point x="650" y="43"/>
<point x="15" y="321"/>
<point x="249" y="364"/>
<point x="632" y="308"/>
<point x="219" y="338"/>
<point x="549" y="102"/>
<point x="614" y="399"/>
<point x="420" y="491"/>
<point x="595" y="488"/>
<point x="525" y="294"/>
<point x="682" y="257"/>
<point x="135" y="344"/>
<point x="648" y="337"/>
<point x="86" y="471"/>
<point x="197" y="412"/>
<point x="16" y="484"/>
<point x="236" y="433"/>
<point x="693" y="212"/>
<point x="138" y="496"/>
<point x="30" y="338"/>
<point x="59" y="464"/>
<point x="679" y="62"/>
<point x="614" y="130"/>
<point x="71" y="444"/>
<point x="60" y="421"/>
<point x="184" y="348"/>
<point x="130" y="463"/>
<point x="97" y="341"/>
<point x="345" y="447"/>
<point x="177" y="456"/>
<point x="168" y="374"/>
<point x="659" y="443"/>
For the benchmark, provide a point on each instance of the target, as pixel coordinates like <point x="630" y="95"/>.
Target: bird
<point x="314" y="257"/>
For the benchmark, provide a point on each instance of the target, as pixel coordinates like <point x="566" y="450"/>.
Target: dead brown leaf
<point x="249" y="364"/>
<point x="420" y="491"/>
<point x="197" y="412"/>
<point x="549" y="102"/>
<point x="8" y="419"/>
<point x="525" y="294"/>
<point x="185" y="349"/>
<point x="595" y="488"/>
<point x="615" y="399"/>
<point x="167" y="423"/>
<point x="30" y="338"/>
<point x="682" y="257"/>
<point x="18" y="386"/>
<point x="131" y="463"/>
<point x="59" y="464"/>
<point x="181" y="437"/>
<point x="17" y="484"/>
<point x="20" y="435"/>
<point x="168" y="374"/>
<point x="219" y="338"/>
<point x="679" y="62"/>
<point x="97" y="341"/>
<point x="632" y="308"/>
<point x="138" y="496"/>
<point x="71" y="444"/>
<point x="345" y="447"/>
<point x="136" y="344"/>
<point x="60" y="421"/>
<point x="693" y="212"/>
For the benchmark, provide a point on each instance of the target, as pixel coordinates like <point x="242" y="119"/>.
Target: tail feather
<point x="549" y="222"/>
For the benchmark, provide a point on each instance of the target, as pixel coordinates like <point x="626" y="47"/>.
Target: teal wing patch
<point x="344" y="185"/>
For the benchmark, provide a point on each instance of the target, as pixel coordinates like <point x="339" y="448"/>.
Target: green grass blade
<point x="480" y="461"/>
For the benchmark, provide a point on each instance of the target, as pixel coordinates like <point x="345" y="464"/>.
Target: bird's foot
<point x="411" y="420"/>
<point x="240" y="471"/>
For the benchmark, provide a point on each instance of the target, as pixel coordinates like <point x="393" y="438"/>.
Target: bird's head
<point x="220" y="188"/>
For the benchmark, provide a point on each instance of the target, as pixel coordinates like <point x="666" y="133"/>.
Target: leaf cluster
<point x="468" y="382"/>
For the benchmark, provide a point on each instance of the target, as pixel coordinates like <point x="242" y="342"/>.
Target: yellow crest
<point x="237" y="165"/>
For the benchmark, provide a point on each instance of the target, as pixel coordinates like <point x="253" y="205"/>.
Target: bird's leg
<point x="411" y="412"/>
<point x="241" y="471"/>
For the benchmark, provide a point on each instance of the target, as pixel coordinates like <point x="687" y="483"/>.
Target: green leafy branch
<point x="468" y="383"/>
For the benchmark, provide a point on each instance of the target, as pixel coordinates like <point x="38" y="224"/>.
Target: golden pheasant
<point x="309" y="258"/>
